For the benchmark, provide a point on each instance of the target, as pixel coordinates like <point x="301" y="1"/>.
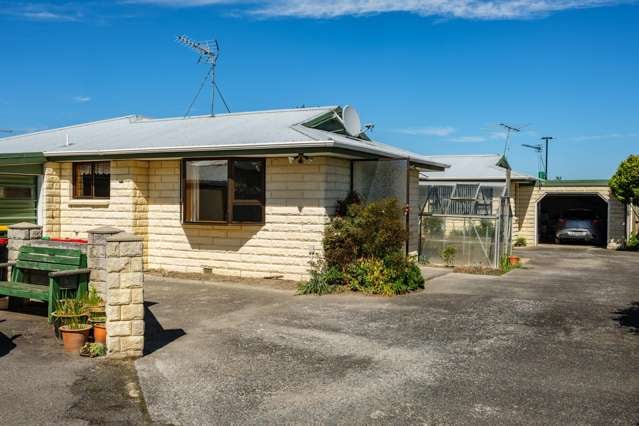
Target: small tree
<point x="625" y="182"/>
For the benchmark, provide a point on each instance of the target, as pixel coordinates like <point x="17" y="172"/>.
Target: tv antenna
<point x="538" y="148"/>
<point x="509" y="131"/>
<point x="209" y="51"/>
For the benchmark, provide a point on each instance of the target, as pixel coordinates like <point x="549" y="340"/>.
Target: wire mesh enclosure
<point x="464" y="224"/>
<point x="378" y="179"/>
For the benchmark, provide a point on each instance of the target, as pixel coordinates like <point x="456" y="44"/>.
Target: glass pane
<point x="15" y="193"/>
<point x="250" y="213"/>
<point x="83" y="180"/>
<point x="102" y="180"/>
<point x="249" y="179"/>
<point x="206" y="190"/>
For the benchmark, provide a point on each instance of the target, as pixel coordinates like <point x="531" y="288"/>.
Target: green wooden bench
<point x="62" y="272"/>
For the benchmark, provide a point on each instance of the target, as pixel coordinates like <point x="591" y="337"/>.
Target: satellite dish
<point x="352" y="123"/>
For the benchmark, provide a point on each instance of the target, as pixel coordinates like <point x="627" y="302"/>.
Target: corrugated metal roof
<point x="471" y="168"/>
<point x="235" y="131"/>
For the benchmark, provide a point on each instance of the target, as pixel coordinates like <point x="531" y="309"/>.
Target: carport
<point x="554" y="206"/>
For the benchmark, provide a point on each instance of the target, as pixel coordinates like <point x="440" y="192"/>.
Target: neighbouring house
<point x="242" y="194"/>
<point x="536" y="205"/>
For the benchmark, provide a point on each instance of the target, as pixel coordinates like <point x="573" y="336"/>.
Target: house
<point x="242" y="194"/>
<point x="536" y="205"/>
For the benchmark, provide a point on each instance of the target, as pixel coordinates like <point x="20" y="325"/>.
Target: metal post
<point x="546" y="139"/>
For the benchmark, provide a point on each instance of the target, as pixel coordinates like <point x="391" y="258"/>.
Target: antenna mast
<point x="209" y="51"/>
<point x="546" y="139"/>
<point x="509" y="131"/>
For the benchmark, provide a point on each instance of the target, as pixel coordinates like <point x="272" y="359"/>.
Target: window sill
<point x="89" y="203"/>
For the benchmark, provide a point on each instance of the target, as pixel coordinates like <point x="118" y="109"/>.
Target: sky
<point x="436" y="77"/>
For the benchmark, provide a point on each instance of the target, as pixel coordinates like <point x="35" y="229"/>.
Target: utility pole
<point x="546" y="139"/>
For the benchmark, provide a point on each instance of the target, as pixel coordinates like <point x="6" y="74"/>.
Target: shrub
<point x="363" y="251"/>
<point x="448" y="255"/>
<point x="633" y="242"/>
<point x="520" y="242"/>
<point x="624" y="184"/>
<point x="368" y="230"/>
<point x="343" y="205"/>
<point x="387" y="277"/>
<point x="324" y="279"/>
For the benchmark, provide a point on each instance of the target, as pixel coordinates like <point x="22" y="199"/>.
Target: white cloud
<point x="462" y="9"/>
<point x="81" y="99"/>
<point x="469" y="139"/>
<point x="428" y="131"/>
<point x="606" y="137"/>
<point x="42" y="11"/>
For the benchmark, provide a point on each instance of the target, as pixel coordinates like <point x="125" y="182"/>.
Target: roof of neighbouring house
<point x="487" y="167"/>
<point x="288" y="130"/>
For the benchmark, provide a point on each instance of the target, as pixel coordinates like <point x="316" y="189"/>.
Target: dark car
<point x="578" y="225"/>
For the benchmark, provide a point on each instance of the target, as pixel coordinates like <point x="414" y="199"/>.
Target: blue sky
<point x="436" y="77"/>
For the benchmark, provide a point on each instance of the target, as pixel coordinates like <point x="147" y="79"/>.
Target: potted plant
<point x="99" y="329"/>
<point x="75" y="334"/>
<point x="97" y="315"/>
<point x="68" y="311"/>
<point x="93" y="350"/>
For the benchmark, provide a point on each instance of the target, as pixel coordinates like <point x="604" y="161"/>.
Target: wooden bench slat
<point x="48" y="258"/>
<point x="42" y="266"/>
<point x="57" y="251"/>
<point x="24" y="290"/>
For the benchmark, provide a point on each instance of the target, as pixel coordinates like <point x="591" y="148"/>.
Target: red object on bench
<point x="69" y="240"/>
<point x="4" y="241"/>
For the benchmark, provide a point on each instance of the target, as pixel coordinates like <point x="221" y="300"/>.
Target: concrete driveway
<point x="557" y="342"/>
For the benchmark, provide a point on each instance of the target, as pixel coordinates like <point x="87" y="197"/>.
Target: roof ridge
<point x="234" y="114"/>
<point x="72" y="126"/>
<point x="465" y="155"/>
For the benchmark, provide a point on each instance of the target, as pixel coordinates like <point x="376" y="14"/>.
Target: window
<point x="223" y="190"/>
<point x="92" y="180"/>
<point x="16" y="193"/>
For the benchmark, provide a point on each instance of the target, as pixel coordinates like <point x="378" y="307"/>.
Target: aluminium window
<point x="223" y="190"/>
<point x="92" y="180"/>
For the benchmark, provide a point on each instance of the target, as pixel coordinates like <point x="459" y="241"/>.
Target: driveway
<point x="557" y="342"/>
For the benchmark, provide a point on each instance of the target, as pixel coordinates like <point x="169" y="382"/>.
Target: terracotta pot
<point x="74" y="338"/>
<point x="99" y="333"/>
<point x="60" y="320"/>
<point x="513" y="260"/>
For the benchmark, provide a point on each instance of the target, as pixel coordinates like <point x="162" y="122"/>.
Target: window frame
<point x="230" y="192"/>
<point x="74" y="176"/>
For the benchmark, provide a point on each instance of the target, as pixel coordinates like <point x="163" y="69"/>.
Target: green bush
<point x="633" y="242"/>
<point x="324" y="279"/>
<point x="520" y="242"/>
<point x="387" y="277"/>
<point x="368" y="230"/>
<point x="448" y="255"/>
<point x="624" y="184"/>
<point x="364" y="251"/>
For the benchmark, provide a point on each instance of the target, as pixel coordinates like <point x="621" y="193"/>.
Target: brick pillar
<point x="97" y="258"/>
<point x="21" y="234"/>
<point x="125" y="295"/>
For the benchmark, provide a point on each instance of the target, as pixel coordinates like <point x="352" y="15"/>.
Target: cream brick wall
<point x="145" y="200"/>
<point x="299" y="200"/>
<point x="527" y="197"/>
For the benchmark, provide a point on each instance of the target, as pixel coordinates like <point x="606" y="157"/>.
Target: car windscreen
<point x="579" y="215"/>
